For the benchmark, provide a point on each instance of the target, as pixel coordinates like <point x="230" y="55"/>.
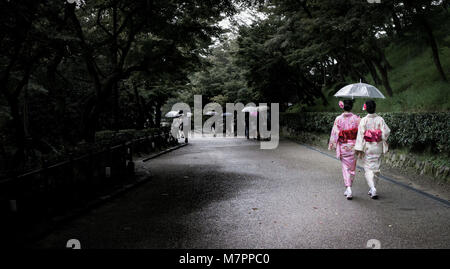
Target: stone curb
<point x="164" y="152"/>
<point x="394" y="159"/>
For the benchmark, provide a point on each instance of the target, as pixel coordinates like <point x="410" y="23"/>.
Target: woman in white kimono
<point x="371" y="144"/>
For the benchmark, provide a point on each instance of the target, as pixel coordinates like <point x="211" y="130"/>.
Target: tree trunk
<point x="384" y="77"/>
<point x="306" y="9"/>
<point x="355" y="74"/>
<point x="114" y="48"/>
<point x="422" y="20"/>
<point x="90" y="121"/>
<point x="381" y="56"/>
<point x="141" y="117"/>
<point x="95" y="105"/>
<point x="116" y="113"/>
<point x="150" y="113"/>
<point x="433" y="45"/>
<point x="56" y="90"/>
<point x="373" y="72"/>
<point x="19" y="132"/>
<point x="158" y="114"/>
<point x="322" y="96"/>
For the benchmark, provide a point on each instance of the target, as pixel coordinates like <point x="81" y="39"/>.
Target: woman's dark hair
<point x="348" y="105"/>
<point x="371" y="106"/>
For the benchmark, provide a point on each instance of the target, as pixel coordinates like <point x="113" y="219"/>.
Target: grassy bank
<point x="416" y="84"/>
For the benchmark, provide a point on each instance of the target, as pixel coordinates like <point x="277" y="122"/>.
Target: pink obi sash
<point x="373" y="135"/>
<point x="346" y="135"/>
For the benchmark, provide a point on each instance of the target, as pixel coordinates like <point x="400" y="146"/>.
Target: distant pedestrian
<point x="343" y="139"/>
<point x="181" y="124"/>
<point x="371" y="144"/>
<point x="177" y="126"/>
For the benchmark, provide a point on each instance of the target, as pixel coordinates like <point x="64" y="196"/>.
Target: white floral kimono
<point x="372" y="137"/>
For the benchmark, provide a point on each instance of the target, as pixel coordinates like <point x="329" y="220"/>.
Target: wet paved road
<point x="227" y="193"/>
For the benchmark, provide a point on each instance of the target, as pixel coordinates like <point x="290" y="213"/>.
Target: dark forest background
<point x="71" y="70"/>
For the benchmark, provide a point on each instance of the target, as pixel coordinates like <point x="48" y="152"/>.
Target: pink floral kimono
<point x="343" y="139"/>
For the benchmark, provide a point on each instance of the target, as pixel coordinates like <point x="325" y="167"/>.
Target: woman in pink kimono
<point x="371" y="144"/>
<point x="343" y="139"/>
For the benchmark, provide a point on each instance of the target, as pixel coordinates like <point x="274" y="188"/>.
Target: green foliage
<point x="419" y="131"/>
<point x="415" y="82"/>
<point x="415" y="131"/>
<point x="328" y="44"/>
<point x="269" y="69"/>
<point x="68" y="71"/>
<point x="221" y="80"/>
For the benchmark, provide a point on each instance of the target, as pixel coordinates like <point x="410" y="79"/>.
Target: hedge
<point x="415" y="131"/>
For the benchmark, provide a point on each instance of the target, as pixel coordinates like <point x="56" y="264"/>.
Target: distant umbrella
<point x="359" y="90"/>
<point x="227" y="114"/>
<point x="263" y="108"/>
<point x="173" y="114"/>
<point x="211" y="113"/>
<point x="250" y="109"/>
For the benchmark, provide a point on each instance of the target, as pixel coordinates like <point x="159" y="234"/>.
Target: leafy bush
<point x="415" y="131"/>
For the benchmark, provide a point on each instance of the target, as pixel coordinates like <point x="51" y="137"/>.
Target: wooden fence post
<point x="13" y="206"/>
<point x="129" y="158"/>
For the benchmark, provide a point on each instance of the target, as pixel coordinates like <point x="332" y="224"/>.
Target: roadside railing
<point x="38" y="196"/>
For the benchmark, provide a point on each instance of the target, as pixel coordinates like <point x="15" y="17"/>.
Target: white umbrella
<point x="210" y="113"/>
<point x="189" y="114"/>
<point x="173" y="114"/>
<point x="263" y="108"/>
<point x="250" y="109"/>
<point x="359" y="90"/>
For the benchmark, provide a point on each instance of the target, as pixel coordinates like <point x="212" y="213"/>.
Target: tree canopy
<point x="71" y="68"/>
<point x="66" y="66"/>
